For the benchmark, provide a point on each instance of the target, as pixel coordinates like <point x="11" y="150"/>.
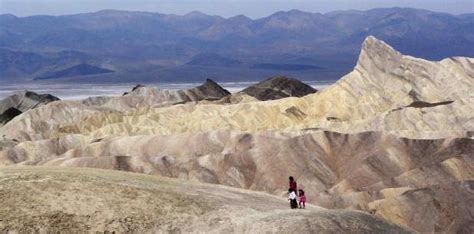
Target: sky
<point x="225" y="8"/>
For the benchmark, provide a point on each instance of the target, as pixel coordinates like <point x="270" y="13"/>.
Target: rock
<point x="279" y="87"/>
<point x="14" y="105"/>
<point x="9" y="114"/>
<point x="26" y="100"/>
<point x="434" y="209"/>
<point x="210" y="90"/>
<point x="143" y="96"/>
<point x="6" y="143"/>
<point x="133" y="89"/>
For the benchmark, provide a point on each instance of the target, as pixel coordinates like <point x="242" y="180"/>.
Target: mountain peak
<point x="194" y="14"/>
<point x="373" y="44"/>
<point x="210" y="90"/>
<point x="377" y="52"/>
<point x="296" y="11"/>
<point x="7" y="16"/>
<point x="240" y="18"/>
<point x="278" y="87"/>
<point x="82" y="69"/>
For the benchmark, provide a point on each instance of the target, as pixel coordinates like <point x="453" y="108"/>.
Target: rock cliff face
<point x="142" y="96"/>
<point x="16" y="104"/>
<point x="393" y="137"/>
<point x="279" y="87"/>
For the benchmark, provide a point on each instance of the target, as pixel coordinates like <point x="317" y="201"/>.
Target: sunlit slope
<point x="78" y="200"/>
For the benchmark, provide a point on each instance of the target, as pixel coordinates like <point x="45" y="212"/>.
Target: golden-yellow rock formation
<point x="387" y="91"/>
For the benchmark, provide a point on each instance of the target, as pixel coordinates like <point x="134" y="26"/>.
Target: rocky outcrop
<point x="87" y="200"/>
<point x="16" y="104"/>
<point x="133" y="89"/>
<point x="441" y="208"/>
<point x="26" y="100"/>
<point x="9" y="114"/>
<point x="6" y="143"/>
<point x="279" y="87"/>
<point x="143" y="96"/>
<point x="210" y="90"/>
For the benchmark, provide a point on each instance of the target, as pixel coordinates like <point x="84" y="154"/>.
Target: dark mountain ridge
<point x="82" y="69"/>
<point x="144" y="41"/>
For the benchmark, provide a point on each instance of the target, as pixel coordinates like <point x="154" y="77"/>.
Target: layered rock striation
<point x="277" y="88"/>
<point x="393" y="137"/>
<point x="16" y="104"/>
<point x="379" y="95"/>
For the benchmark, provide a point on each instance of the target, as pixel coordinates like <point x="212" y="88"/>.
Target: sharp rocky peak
<point x="377" y="53"/>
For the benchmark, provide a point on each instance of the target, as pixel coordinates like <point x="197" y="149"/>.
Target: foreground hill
<point x="79" y="200"/>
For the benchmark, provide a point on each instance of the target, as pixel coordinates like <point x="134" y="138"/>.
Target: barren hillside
<point x="92" y="200"/>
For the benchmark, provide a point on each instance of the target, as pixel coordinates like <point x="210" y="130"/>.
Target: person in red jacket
<point x="293" y="185"/>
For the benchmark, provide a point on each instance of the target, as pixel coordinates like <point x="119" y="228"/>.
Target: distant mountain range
<point x="152" y="47"/>
<point x="82" y="69"/>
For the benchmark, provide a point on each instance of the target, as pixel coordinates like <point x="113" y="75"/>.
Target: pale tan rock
<point x="381" y="94"/>
<point x="439" y="208"/>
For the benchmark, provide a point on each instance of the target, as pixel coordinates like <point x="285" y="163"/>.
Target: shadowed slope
<point x="278" y="87"/>
<point x="14" y="105"/>
<point x="82" y="69"/>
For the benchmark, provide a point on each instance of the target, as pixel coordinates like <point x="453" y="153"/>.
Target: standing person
<point x="293" y="184"/>
<point x="302" y="199"/>
<point x="292" y="198"/>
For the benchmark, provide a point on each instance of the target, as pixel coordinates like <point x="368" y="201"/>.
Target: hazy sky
<point x="226" y="8"/>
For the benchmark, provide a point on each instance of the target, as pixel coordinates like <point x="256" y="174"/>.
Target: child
<point x="302" y="199"/>
<point x="293" y="184"/>
<point x="292" y="198"/>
